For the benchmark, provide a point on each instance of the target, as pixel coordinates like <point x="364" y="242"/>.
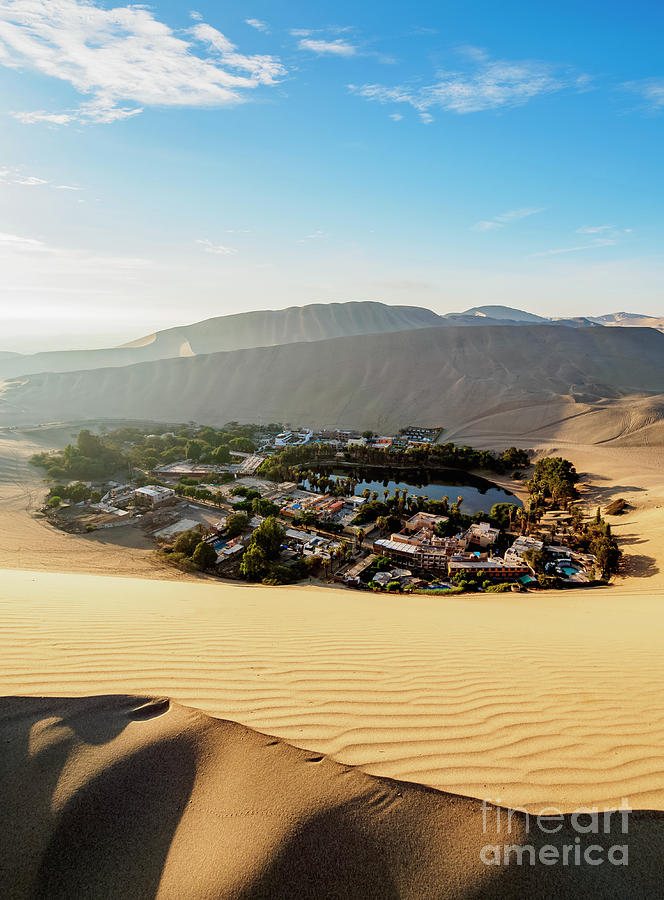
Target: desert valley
<point x="528" y="700"/>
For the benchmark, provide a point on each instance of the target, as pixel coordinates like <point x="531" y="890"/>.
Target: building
<point x="416" y="556"/>
<point x="425" y="520"/>
<point x="482" y="534"/>
<point x="494" y="568"/>
<point x="251" y="464"/>
<point x="153" y="495"/>
<point x="521" y="544"/>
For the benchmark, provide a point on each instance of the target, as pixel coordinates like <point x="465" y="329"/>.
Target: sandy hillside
<point x="515" y="379"/>
<point x="137" y="797"/>
<point x="528" y="699"/>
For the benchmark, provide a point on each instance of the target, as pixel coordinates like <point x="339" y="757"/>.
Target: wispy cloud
<point x="598" y="236"/>
<point x="482" y="84"/>
<point x="506" y="218"/>
<point x="125" y="59"/>
<point x="16" y="176"/>
<point x="21" y="243"/>
<point x="337" y="47"/>
<point x="258" y="25"/>
<point x="219" y="249"/>
<point x="314" y="236"/>
<point x="651" y="91"/>
<point x="16" y="246"/>
<point x="600" y="242"/>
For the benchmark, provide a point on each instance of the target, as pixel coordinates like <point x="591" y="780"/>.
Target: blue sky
<point x="165" y="163"/>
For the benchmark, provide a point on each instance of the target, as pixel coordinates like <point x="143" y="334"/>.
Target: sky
<point x="164" y="163"/>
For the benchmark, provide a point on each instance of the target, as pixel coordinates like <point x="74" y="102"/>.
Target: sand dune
<point x="520" y="380"/>
<point x="527" y="700"/>
<point x="137" y="797"/>
<point x="264" y="328"/>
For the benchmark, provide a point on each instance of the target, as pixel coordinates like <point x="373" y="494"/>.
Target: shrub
<point x="55" y="501"/>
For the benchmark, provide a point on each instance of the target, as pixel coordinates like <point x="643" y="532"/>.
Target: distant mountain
<point x="495" y="379"/>
<point x="318" y="321"/>
<point x="620" y="317"/>
<point x="500" y="314"/>
<point x="630" y="320"/>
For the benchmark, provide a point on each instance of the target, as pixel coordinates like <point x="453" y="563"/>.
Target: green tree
<point x="204" y="556"/>
<point x="269" y="537"/>
<point x="54" y="501"/>
<point x="187" y="542"/>
<point x="536" y="559"/>
<point x="236" y="523"/>
<point x="254" y="563"/>
<point x="242" y="445"/>
<point x="221" y="455"/>
<point x="607" y="554"/>
<point x="193" y="450"/>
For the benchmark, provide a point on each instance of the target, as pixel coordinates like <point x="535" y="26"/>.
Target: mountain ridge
<point x="522" y="378"/>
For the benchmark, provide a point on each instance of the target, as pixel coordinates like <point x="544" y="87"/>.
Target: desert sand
<point x="524" y="700"/>
<point x="136" y="797"/>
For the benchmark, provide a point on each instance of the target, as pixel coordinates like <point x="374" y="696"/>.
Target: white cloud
<point x="396" y="117"/>
<point x="487" y="225"/>
<point x="314" y="236"/>
<point x="484" y="84"/>
<point x="125" y="55"/>
<point x="20" y="243"/>
<point x="513" y="215"/>
<point x="338" y="47"/>
<point x="219" y="249"/>
<point x="598" y="236"/>
<point x="506" y="218"/>
<point x="31" y="180"/>
<point x="12" y="245"/>
<point x="16" y="176"/>
<point x="651" y="91"/>
<point x="595" y="229"/>
<point x="600" y="242"/>
<point x="258" y="25"/>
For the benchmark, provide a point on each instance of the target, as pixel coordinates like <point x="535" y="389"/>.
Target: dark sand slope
<point x="523" y="378"/>
<point x="133" y="797"/>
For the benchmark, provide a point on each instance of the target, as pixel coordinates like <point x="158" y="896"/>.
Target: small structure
<point x="424" y="520"/>
<point x="482" y="534"/>
<point x="493" y="568"/>
<point x="154" y="495"/>
<point x="521" y="544"/>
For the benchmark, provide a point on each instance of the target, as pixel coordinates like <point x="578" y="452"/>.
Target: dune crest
<point x="116" y="802"/>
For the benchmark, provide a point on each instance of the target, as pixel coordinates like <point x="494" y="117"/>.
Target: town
<point x="278" y="505"/>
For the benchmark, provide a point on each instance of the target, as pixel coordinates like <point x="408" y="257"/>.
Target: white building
<point x="483" y="534"/>
<point x="521" y="544"/>
<point x="154" y="495"/>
